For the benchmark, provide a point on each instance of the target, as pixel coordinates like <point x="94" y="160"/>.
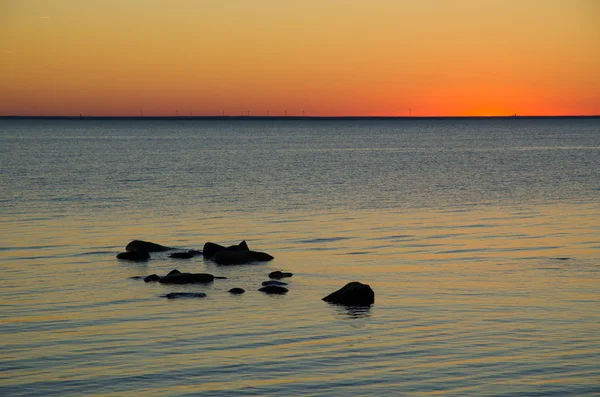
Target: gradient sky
<point x="321" y="57"/>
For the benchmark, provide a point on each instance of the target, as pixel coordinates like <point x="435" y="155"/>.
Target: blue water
<point x="480" y="238"/>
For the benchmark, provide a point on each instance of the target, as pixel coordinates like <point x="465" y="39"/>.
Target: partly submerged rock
<point x="181" y="255"/>
<point x="176" y="295"/>
<point x="139" y="245"/>
<point x="354" y="293"/>
<point x="134" y="256"/>
<point x="151" y="278"/>
<point x="273" y="282"/>
<point x="279" y="274"/>
<point x="237" y="290"/>
<point x="210" y="249"/>
<point x="195" y="252"/>
<point x="239" y="257"/>
<point x="187" y="278"/>
<point x="273" y="289"/>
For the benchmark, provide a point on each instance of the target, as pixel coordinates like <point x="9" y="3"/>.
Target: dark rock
<point x="176" y="295"/>
<point x="151" y="278"/>
<point x="563" y="258"/>
<point x="239" y="257"/>
<point x="174" y="271"/>
<point x="273" y="282"/>
<point x="279" y="274"/>
<point x="139" y="245"/>
<point x="187" y="278"/>
<point x="243" y="246"/>
<point x="354" y="293"/>
<point x="195" y="252"/>
<point x="134" y="256"/>
<point x="210" y="249"/>
<point x="181" y="255"/>
<point x="237" y="290"/>
<point x="273" y="289"/>
<point x="137" y="278"/>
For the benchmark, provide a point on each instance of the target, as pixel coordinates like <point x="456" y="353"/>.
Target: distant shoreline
<point x="295" y="118"/>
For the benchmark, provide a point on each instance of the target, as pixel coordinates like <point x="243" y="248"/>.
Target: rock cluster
<point x="352" y="294"/>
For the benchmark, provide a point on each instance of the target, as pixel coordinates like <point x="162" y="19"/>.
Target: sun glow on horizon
<point x="314" y="58"/>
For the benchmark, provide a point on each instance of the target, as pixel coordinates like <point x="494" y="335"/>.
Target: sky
<point x="311" y="57"/>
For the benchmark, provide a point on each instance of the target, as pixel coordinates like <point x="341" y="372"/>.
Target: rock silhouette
<point x="177" y="295"/>
<point x="139" y="245"/>
<point x="136" y="256"/>
<point x="237" y="291"/>
<point x="273" y="282"/>
<point x="181" y="255"/>
<point x="352" y="294"/>
<point x="151" y="278"/>
<point x="187" y="278"/>
<point x="234" y="254"/>
<point x="279" y="274"/>
<point x="273" y="289"/>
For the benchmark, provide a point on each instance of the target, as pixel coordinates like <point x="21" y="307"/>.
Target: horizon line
<point x="246" y="117"/>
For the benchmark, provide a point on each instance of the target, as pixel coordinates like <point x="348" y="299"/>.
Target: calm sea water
<point x="480" y="238"/>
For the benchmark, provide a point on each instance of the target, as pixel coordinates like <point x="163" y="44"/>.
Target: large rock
<point x="187" y="278"/>
<point x="239" y="257"/>
<point x="139" y="245"/>
<point x="210" y="249"/>
<point x="136" y="256"/>
<point x="352" y="294"/>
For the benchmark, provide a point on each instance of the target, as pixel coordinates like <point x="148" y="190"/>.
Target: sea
<point x="479" y="237"/>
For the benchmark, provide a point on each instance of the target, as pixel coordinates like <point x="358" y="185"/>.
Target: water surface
<point x="479" y="237"/>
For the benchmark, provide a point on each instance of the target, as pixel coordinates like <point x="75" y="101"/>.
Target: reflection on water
<point x="353" y="311"/>
<point x="474" y="291"/>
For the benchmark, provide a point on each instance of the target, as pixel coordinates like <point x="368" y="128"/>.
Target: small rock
<point x="279" y="274"/>
<point x="273" y="282"/>
<point x="139" y="245"/>
<point x="237" y="290"/>
<point x="176" y="295"/>
<point x="187" y="278"/>
<point x="273" y="289"/>
<point x="151" y="278"/>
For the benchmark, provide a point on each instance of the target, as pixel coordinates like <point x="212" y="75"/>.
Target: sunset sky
<point x="321" y="57"/>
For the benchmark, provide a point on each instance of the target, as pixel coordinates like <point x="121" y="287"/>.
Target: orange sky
<point x="323" y="57"/>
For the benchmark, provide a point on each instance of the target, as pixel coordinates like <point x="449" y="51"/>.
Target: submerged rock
<point x="237" y="290"/>
<point x="273" y="282"/>
<point x="210" y="249"/>
<point x="273" y="289"/>
<point x="152" y="278"/>
<point x="354" y="293"/>
<point x="279" y="274"/>
<point x="181" y="255"/>
<point x="136" y="256"/>
<point x="186" y="278"/>
<point x="239" y="257"/>
<point x="176" y="295"/>
<point x="139" y="245"/>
